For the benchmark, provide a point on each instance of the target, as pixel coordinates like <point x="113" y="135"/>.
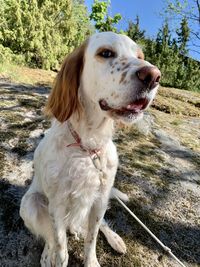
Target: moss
<point x="195" y="159"/>
<point x="141" y="156"/>
<point x="4" y="92"/>
<point x="147" y="169"/>
<point x="21" y="149"/>
<point x="11" y="117"/>
<point x="32" y="103"/>
<point x="177" y="102"/>
<point x="6" y="135"/>
<point x="46" y="124"/>
<point x="28" y="125"/>
<point x="22" y="131"/>
<point x="6" y="104"/>
<point x="176" y="122"/>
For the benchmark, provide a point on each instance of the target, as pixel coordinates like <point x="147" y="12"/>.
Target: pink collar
<point x="92" y="152"/>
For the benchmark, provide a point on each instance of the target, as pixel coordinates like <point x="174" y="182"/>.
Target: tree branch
<point x="198" y="6"/>
<point x="193" y="50"/>
<point x="195" y="34"/>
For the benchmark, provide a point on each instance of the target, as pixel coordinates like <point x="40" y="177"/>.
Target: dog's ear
<point x="63" y="99"/>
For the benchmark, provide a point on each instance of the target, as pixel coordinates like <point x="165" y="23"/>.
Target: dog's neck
<point x="93" y="128"/>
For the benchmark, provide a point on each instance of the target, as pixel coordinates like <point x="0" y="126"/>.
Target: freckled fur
<point x="126" y="66"/>
<point x="132" y="76"/>
<point x="123" y="76"/>
<point x="67" y="191"/>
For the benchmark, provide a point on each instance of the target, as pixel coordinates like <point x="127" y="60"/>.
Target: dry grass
<point x="26" y="75"/>
<point x="159" y="170"/>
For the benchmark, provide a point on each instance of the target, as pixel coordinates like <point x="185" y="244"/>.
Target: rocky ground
<point x="159" y="170"/>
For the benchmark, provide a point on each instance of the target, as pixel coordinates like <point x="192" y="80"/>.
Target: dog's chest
<point x="106" y="165"/>
<point x="91" y="171"/>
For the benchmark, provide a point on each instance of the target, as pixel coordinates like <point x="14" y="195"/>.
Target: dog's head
<point x="112" y="73"/>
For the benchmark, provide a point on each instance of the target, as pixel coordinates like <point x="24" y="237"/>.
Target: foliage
<point x="41" y="32"/>
<point x="99" y="14"/>
<point x="134" y="31"/>
<point x="45" y="31"/>
<point x="183" y="36"/>
<point x="6" y="55"/>
<point x="178" y="10"/>
<point x="170" y="55"/>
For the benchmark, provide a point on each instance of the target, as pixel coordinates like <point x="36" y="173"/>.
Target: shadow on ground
<point x="155" y="189"/>
<point x="17" y="245"/>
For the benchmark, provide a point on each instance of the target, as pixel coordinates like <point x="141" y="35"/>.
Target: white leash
<point x="97" y="164"/>
<point x="168" y="250"/>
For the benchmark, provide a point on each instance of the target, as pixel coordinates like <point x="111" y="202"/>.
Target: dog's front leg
<point x="95" y="218"/>
<point x="57" y="213"/>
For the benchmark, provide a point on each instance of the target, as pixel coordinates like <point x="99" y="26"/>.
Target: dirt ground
<point x="159" y="170"/>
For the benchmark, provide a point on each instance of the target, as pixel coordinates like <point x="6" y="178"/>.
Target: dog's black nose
<point x="149" y="76"/>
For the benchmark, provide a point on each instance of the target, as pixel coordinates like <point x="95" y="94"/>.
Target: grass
<point x="177" y="103"/>
<point x="32" y="103"/>
<point x="144" y="173"/>
<point x="25" y="75"/>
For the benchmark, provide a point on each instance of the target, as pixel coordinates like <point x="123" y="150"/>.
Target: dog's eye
<point x="106" y="53"/>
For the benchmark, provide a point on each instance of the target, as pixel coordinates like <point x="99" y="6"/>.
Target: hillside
<point x="159" y="170"/>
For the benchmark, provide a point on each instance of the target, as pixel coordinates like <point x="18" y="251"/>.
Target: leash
<point x="94" y="154"/>
<point x="166" y="249"/>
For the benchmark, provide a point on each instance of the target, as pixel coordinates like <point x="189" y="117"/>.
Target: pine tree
<point x="43" y="31"/>
<point x="183" y="36"/>
<point x="134" y="31"/>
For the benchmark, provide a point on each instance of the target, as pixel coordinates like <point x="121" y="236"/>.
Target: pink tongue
<point x="137" y="105"/>
<point x="134" y="107"/>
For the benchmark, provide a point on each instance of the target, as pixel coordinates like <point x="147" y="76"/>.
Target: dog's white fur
<point x="67" y="192"/>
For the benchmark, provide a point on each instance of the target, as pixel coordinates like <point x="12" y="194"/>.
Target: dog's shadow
<point x="17" y="246"/>
<point x="20" y="248"/>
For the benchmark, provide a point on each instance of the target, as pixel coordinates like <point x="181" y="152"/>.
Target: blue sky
<point x="148" y="12"/>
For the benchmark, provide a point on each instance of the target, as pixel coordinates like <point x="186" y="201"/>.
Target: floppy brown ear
<point x="63" y="99"/>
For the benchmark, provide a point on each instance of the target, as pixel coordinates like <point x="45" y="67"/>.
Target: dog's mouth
<point x="132" y="109"/>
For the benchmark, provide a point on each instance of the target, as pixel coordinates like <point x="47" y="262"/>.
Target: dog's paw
<point x="46" y="262"/>
<point x="117" y="243"/>
<point x="47" y="259"/>
<point x="117" y="193"/>
<point x="62" y="259"/>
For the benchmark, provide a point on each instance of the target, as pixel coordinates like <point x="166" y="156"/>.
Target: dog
<point x="104" y="80"/>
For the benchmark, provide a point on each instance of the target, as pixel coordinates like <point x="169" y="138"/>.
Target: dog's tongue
<point x="138" y="105"/>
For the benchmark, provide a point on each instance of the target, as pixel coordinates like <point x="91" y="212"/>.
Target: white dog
<point x="103" y="80"/>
